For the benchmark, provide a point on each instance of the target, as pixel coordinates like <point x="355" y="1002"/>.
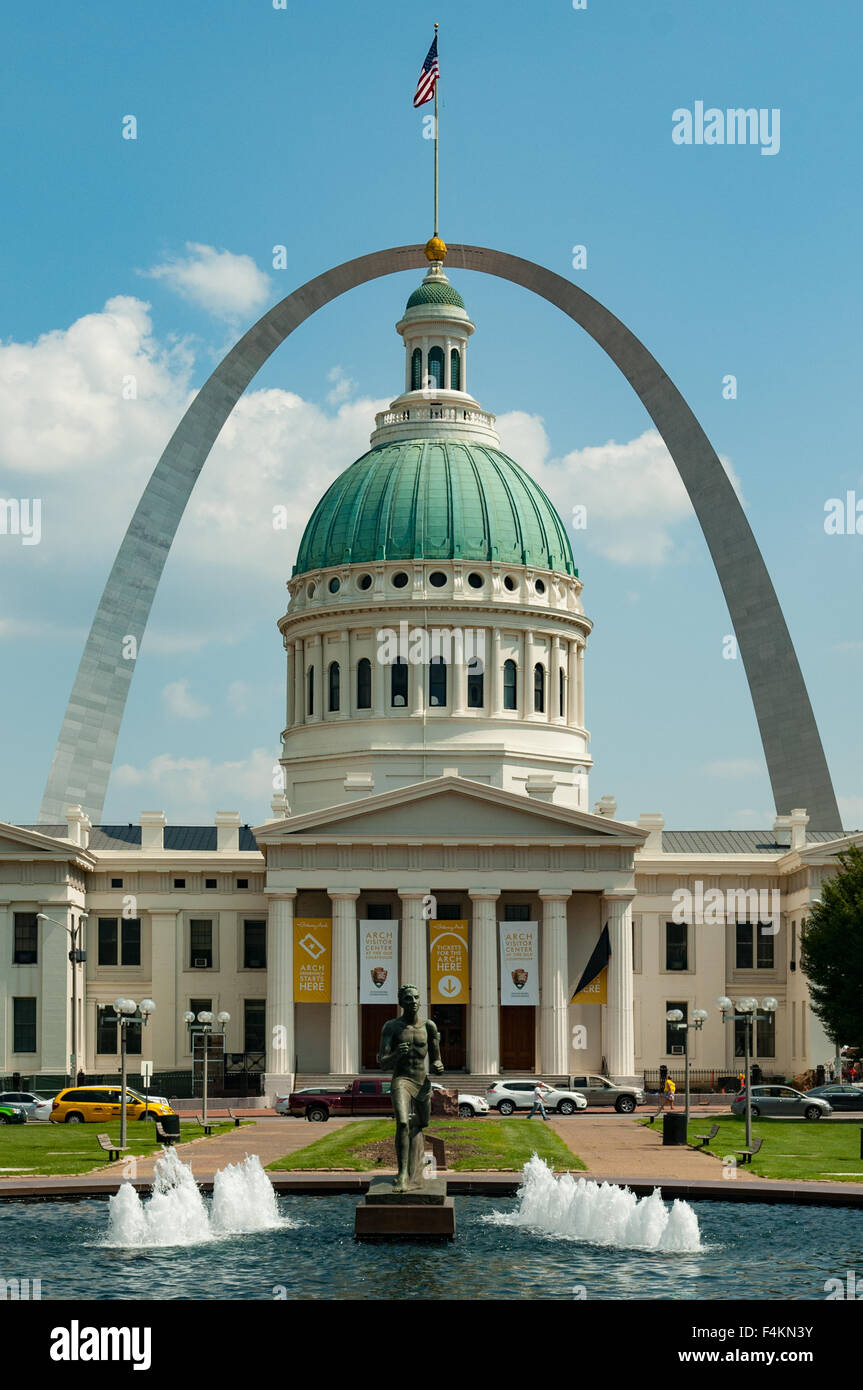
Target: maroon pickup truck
<point x="364" y="1097"/>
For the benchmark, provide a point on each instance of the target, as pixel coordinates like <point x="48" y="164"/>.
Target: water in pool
<point x="559" y="1239"/>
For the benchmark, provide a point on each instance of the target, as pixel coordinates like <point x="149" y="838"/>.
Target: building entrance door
<point x="450" y="1020"/>
<point x="517" y="1037"/>
<point x="374" y="1016"/>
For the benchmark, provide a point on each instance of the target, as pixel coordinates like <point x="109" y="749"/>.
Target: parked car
<point x="28" y="1100"/>
<point x="91" y="1104"/>
<point x="599" y="1090"/>
<point x="12" y="1115"/>
<point x="782" y="1101"/>
<point x="841" y="1095"/>
<point x="507" y="1096"/>
<point x="468" y="1106"/>
<point x="365" y="1096"/>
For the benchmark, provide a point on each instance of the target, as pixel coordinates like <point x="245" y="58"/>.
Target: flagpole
<point x="436" y="141"/>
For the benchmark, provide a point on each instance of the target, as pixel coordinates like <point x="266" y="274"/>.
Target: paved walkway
<point x="614" y="1146"/>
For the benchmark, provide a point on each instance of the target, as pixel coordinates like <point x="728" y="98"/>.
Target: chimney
<point x="605" y="806"/>
<point x="799" y="821"/>
<point x="541" y="788"/>
<point x="782" y="831"/>
<point x="78" y="826"/>
<point x="152" y="825"/>
<point x="228" y="831"/>
<point x="279" y="806"/>
<point x="653" y="822"/>
<point x="357" y="785"/>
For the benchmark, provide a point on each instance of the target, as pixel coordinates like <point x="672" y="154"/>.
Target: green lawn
<point x="793" y="1149"/>
<point x="471" y="1145"/>
<point x="66" y="1149"/>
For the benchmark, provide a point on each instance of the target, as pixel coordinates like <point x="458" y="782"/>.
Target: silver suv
<point x="598" y="1090"/>
<point x="507" y="1096"/>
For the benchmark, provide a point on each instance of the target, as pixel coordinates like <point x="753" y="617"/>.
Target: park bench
<point x="747" y="1155"/>
<point x="163" y="1135"/>
<point x="208" y="1126"/>
<point x="235" y="1118"/>
<point x="111" y="1149"/>
<point x="705" y="1139"/>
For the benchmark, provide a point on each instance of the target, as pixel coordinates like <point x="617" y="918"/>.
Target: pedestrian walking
<point x="538" y="1092"/>
<point x="668" y="1094"/>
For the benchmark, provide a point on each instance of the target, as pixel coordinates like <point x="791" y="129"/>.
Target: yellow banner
<point x="312" y="957"/>
<point x="449" y="963"/>
<point x="595" y="992"/>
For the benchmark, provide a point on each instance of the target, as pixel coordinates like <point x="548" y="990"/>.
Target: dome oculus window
<point x="437" y="578"/>
<point x="475" y="580"/>
<point x="400" y="580"/>
<point x="335" y="585"/>
<point x="310" y="591"/>
<point x="364" y="581"/>
<point x="540" y="586"/>
<point x="509" y="583"/>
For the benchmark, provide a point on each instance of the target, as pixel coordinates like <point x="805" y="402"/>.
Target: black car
<point x="12" y="1115"/>
<point x="842" y="1095"/>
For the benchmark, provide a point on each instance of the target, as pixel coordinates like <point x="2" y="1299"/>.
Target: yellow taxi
<point x="88" y="1104"/>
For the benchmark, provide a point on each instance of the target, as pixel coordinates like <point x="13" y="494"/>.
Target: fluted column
<point x="458" y="675"/>
<point x="556" y="711"/>
<point x="289" y="684"/>
<point x="344" y="1008"/>
<point x="553" y="1014"/>
<point x="416" y="687"/>
<point x="521" y="686"/>
<point x="529" y="664"/>
<point x="380" y="684"/>
<point x="580" y="685"/>
<point x="314" y="647"/>
<point x="299" y="681"/>
<point x="495" y="674"/>
<point x="281" y="1047"/>
<point x="413" y="953"/>
<point x="484" y="1010"/>
<point x="572" y="688"/>
<point x="619" y="1045"/>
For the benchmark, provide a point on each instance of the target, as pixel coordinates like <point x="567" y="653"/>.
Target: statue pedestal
<point x="424" y="1212"/>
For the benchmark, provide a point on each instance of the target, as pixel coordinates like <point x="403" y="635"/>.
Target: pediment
<point x="456" y="809"/>
<point x="15" y="840"/>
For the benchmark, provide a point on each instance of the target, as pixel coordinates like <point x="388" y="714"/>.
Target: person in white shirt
<point x="539" y="1089"/>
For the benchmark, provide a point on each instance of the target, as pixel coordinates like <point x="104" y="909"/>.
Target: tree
<point x="831" y="953"/>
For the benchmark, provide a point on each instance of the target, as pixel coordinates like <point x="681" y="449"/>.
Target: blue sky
<point x="259" y="127"/>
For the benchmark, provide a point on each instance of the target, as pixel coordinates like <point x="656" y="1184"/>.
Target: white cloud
<point x="734" y="768"/>
<point x="181" y="703"/>
<point x="188" y="788"/>
<point x="851" y="811"/>
<point x="226" y="285"/>
<point x="342" y="386"/>
<point x="239" y="696"/>
<point x="633" y="494"/>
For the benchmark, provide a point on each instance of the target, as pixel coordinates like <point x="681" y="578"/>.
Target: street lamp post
<point x="77" y="957"/>
<point x="747" y="1012"/>
<point x="206" y="1025"/>
<point x="127" y="1011"/>
<point x="676" y="1019"/>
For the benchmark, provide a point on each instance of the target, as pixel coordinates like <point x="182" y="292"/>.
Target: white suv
<point x="507" y="1096"/>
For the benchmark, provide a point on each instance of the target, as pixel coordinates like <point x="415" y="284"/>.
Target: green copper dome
<point x="429" y="499"/>
<point x="431" y="293"/>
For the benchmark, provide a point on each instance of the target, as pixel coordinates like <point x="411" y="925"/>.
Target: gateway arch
<point x="792" y="745"/>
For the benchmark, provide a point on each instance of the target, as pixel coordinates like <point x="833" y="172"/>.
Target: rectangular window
<point x="133" y="1039"/>
<point x="26" y="938"/>
<point x="199" y="1006"/>
<point x="116" y="883"/>
<point x="179" y="883"/>
<point x="740" y="1026"/>
<point x="209" y="883"/>
<point x="449" y="912"/>
<point x="765" y="945"/>
<point x="242" y="883"/>
<point x="765" y="1032"/>
<point x="516" y="912"/>
<point x="106" y="1030"/>
<point x="674" y="1036"/>
<point x="107" y="940"/>
<point x="254" y="1025"/>
<point x="201" y="942"/>
<point x="24" y="1025"/>
<point x="254" y="945"/>
<point x="130" y="948"/>
<point x="676" y="955"/>
<point x="745" y="959"/>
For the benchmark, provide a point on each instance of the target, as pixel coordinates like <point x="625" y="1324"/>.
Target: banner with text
<point x="519" y="962"/>
<point x="312" y="959"/>
<point x="449" y="963"/>
<point x="594" y="993"/>
<point x="379" y="966"/>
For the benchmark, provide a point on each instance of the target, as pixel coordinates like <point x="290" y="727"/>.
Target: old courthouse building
<point x="435" y="826"/>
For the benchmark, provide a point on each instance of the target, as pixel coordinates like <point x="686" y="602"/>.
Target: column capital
<point x="414" y="892"/>
<point x="555" y="894"/>
<point x="621" y="895"/>
<point x="275" y="893"/>
<point x="337" y="893"/>
<point x="476" y="894"/>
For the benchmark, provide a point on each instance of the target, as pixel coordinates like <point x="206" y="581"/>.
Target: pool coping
<point x="327" y="1184"/>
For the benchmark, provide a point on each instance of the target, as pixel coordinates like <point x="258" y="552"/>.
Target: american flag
<point x="428" y="77"/>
